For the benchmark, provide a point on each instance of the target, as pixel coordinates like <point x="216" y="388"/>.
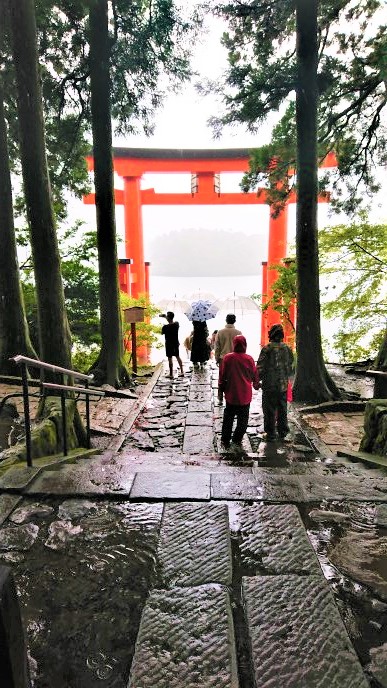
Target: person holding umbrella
<point x="200" y="349"/>
<point x="199" y="313"/>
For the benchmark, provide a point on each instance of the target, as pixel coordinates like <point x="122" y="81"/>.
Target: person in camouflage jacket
<point x="275" y="366"/>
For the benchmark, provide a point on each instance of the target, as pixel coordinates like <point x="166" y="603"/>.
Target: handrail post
<point x="26" y="406"/>
<point x="64" y="420"/>
<point x="87" y="416"/>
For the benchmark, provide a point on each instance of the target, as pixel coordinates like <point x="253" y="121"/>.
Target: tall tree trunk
<point x="54" y="333"/>
<point x="14" y="335"/>
<point x="312" y="382"/>
<point x="109" y="368"/>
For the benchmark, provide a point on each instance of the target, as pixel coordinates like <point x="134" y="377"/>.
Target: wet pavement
<point x="163" y="562"/>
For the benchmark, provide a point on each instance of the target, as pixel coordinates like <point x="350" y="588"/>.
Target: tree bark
<point x="14" y="334"/>
<point x="109" y="368"/>
<point x="54" y="333"/>
<point x="312" y="382"/>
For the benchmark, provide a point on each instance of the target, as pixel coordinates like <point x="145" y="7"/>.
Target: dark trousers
<point x="242" y="416"/>
<point x="275" y="412"/>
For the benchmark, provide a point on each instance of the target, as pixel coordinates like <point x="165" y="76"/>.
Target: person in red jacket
<point x="237" y="375"/>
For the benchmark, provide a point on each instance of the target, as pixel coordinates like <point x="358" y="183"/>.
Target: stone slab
<point x="260" y="486"/>
<point x="138" y="405"/>
<point x="373" y="459"/>
<point x="273" y="538"/>
<point x="199" y="419"/>
<point x="199" y="406"/>
<point x="18" y="478"/>
<point x="345" y="487"/>
<point x="200" y="377"/>
<point x="198" y="440"/>
<point x="297" y="636"/>
<point x="195" y="546"/>
<point x="200" y="394"/>
<point x="172" y="485"/>
<point x="88" y="481"/>
<point x="8" y="503"/>
<point x="186" y="639"/>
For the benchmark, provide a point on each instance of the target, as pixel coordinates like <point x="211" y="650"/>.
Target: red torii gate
<point x="205" y="167"/>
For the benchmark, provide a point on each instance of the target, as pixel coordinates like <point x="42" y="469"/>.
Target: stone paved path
<point x="229" y="582"/>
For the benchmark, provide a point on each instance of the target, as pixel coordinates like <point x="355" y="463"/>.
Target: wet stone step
<point x="18" y="478"/>
<point x="257" y="486"/>
<point x="195" y="545"/>
<point x="273" y="537"/>
<point x="186" y="640"/>
<point x="200" y="394"/>
<point x="297" y="636"/>
<point x="87" y="481"/>
<point x="199" y="418"/>
<point x="345" y="487"/>
<point x="172" y="485"/>
<point x="198" y="440"/>
<point x="199" y="406"/>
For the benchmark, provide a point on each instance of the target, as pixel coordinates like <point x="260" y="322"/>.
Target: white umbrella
<point x="174" y="305"/>
<point x="201" y="310"/>
<point x="240" y="304"/>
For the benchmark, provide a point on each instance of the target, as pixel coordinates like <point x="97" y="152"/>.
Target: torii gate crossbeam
<point x="204" y="167"/>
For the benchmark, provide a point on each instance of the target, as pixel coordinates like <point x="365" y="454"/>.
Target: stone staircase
<point x="187" y="635"/>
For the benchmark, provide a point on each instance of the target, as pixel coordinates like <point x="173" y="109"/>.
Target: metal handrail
<point x="25" y="362"/>
<point x="35" y="363"/>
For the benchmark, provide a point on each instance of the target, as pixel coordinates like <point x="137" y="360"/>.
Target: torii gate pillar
<point x="278" y="238"/>
<point x="134" y="243"/>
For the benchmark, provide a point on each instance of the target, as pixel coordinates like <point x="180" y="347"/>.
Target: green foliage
<point x="261" y="79"/>
<point x="146" y="332"/>
<point x="284" y="290"/>
<point x="354" y="257"/>
<point x="80" y="282"/>
<point x="83" y="357"/>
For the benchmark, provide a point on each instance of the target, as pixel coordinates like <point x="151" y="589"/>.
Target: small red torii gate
<point x="205" y="167"/>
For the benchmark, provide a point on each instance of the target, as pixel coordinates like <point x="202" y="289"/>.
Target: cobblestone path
<point x="163" y="563"/>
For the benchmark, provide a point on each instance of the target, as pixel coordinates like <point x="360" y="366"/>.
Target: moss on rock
<point x="47" y="433"/>
<point x="374" y="439"/>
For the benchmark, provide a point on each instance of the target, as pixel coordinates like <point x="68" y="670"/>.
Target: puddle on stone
<point x="81" y="605"/>
<point x="363" y="611"/>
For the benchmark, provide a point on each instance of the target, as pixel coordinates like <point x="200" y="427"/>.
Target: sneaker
<point x="224" y="446"/>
